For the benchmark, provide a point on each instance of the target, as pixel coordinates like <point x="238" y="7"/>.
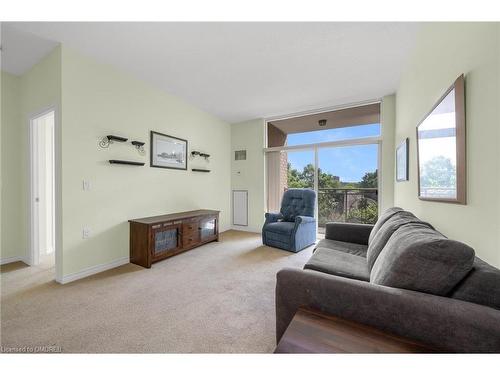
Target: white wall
<point x="99" y="100"/>
<point x="250" y="174"/>
<point x="443" y="52"/>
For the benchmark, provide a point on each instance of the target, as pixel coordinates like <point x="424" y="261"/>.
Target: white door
<point x="42" y="195"/>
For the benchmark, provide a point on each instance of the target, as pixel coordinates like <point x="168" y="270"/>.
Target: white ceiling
<point x="236" y="71"/>
<point x="21" y="50"/>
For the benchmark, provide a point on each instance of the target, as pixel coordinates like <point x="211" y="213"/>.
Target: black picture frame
<point x="403" y="151"/>
<point x="154" y="162"/>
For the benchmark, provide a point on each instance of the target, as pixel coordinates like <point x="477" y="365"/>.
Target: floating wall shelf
<point x="198" y="153"/>
<point x="126" y="162"/>
<point x="200" y="170"/>
<point x="107" y="140"/>
<point x="139" y="146"/>
<point x="116" y="138"/>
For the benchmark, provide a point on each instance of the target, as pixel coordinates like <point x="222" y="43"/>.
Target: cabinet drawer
<point x="190" y="239"/>
<point x="190" y="227"/>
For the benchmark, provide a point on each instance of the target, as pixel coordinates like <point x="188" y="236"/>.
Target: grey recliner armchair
<point x="294" y="227"/>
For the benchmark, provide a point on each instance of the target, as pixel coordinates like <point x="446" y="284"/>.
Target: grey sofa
<point x="402" y="276"/>
<point x="294" y="227"/>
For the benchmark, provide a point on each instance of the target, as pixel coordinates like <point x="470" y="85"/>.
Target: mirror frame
<point x="459" y="87"/>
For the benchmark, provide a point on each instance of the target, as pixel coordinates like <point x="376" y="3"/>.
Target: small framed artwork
<point x="168" y="152"/>
<point x="402" y="161"/>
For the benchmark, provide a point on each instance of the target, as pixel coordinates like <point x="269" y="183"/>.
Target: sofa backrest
<point x="298" y="202"/>
<point x="408" y="253"/>
<point x="481" y="285"/>
<point x="384" y="216"/>
<point x="417" y="257"/>
<point x="385" y="231"/>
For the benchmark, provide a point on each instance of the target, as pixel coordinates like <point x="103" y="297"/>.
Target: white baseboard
<point x="93" y="270"/>
<point x="12" y="260"/>
<point x="244" y="229"/>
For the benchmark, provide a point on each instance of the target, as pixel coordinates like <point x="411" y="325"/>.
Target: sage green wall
<point x="1" y="122"/>
<point x="13" y="241"/>
<point x="250" y="174"/>
<point x="443" y="52"/>
<point x="23" y="97"/>
<point x="100" y="100"/>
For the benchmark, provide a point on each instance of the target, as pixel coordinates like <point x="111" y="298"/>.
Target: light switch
<point x="85" y="232"/>
<point x="86" y="185"/>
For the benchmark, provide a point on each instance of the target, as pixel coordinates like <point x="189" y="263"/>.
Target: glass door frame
<point x="334" y="144"/>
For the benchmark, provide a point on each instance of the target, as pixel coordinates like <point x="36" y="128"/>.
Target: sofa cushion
<point x="346" y="247"/>
<point x="338" y="263"/>
<point x="280" y="227"/>
<point x="481" y="285"/>
<point x="419" y="258"/>
<point x="384" y="216"/>
<point x="393" y="223"/>
<point x="348" y="232"/>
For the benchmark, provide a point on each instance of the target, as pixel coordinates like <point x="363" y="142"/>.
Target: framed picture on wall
<point x="168" y="152"/>
<point x="402" y="163"/>
<point x="441" y="148"/>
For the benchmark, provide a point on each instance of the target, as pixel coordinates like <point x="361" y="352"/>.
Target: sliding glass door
<point x="300" y="169"/>
<point x="345" y="178"/>
<point x="347" y="184"/>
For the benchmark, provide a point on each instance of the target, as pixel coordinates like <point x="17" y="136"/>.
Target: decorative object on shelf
<point x="139" y="146"/>
<point x="200" y="170"/>
<point x="402" y="161"/>
<point x="168" y="152"/>
<point x="441" y="148"/>
<point x="126" y="162"/>
<point x="107" y="140"/>
<point x="201" y="154"/>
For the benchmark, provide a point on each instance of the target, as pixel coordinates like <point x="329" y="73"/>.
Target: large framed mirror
<point x="441" y="148"/>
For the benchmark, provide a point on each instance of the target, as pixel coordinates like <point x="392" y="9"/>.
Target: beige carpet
<point x="218" y="298"/>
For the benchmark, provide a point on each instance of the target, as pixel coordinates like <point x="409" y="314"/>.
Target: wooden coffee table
<point x="311" y="331"/>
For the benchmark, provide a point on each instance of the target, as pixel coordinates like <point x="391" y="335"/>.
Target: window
<point x="340" y="162"/>
<point x="331" y="135"/>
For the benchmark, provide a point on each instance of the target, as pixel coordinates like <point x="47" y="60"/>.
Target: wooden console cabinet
<point x="155" y="238"/>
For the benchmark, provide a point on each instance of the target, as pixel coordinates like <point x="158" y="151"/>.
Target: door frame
<point x="33" y="254"/>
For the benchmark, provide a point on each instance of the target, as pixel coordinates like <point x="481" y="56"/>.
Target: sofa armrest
<point x="272" y="217"/>
<point x="447" y="324"/>
<point x="348" y="232"/>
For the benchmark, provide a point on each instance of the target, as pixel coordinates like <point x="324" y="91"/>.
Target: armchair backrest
<point x="298" y="202"/>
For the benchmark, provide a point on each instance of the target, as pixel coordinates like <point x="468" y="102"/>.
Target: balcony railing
<point x="352" y="205"/>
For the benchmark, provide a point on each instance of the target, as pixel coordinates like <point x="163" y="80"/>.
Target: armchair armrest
<point x="304" y="219"/>
<point x="272" y="217"/>
<point x="447" y="324"/>
<point x="348" y="232"/>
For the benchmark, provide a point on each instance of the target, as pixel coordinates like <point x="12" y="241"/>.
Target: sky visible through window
<point x="349" y="163"/>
